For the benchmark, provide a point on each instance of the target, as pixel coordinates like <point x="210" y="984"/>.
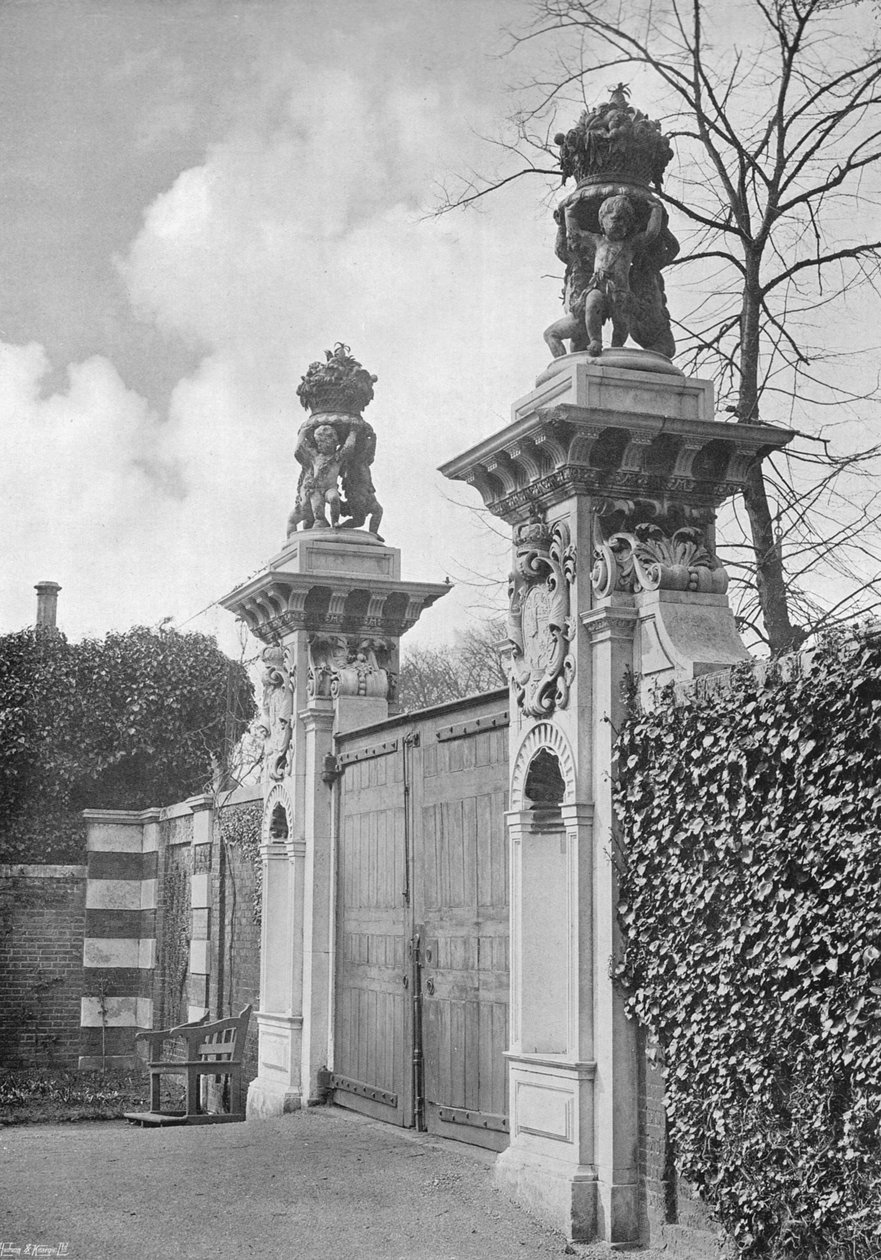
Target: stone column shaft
<point x="611" y="629"/>
<point x="318" y="722"/>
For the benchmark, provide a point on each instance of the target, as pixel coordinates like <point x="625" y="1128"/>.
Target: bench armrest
<point x="182" y="1029"/>
<point x="195" y="1034"/>
<point x="158" y="1035"/>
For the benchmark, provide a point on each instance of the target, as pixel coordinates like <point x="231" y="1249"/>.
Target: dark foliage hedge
<point x="124" y="722"/>
<point x="751" y="906"/>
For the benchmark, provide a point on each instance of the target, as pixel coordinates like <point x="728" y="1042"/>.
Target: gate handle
<point x="405" y="981"/>
<point x="429" y="987"/>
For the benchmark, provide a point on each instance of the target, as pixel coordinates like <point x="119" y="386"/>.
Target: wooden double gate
<point x="421" y="1013"/>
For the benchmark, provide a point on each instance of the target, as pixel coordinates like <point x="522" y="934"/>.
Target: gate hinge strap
<point x="331" y="770"/>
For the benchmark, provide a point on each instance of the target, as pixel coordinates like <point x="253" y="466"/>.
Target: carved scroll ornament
<point x="276" y="717"/>
<point x="341" y="665"/>
<point x="649" y="560"/>
<point x="540" y="627"/>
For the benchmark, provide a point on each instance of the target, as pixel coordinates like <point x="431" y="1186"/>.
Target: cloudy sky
<point x="197" y="199"/>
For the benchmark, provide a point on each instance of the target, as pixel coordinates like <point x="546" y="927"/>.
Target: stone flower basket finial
<point x="340" y="384"/>
<point x="615" y="143"/>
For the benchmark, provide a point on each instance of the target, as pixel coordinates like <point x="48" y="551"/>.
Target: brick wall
<point x="169" y="932"/>
<point x="42" y="921"/>
<point x="673" y="1216"/>
<point x="654" y="1163"/>
<point x="89" y="953"/>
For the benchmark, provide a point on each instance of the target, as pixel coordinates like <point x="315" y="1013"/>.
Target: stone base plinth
<point x="625" y="425"/>
<point x="269" y="1097"/>
<point x="549" y="1165"/>
<point x="277" y="1087"/>
<point x="354" y="552"/>
<point x="556" y="1192"/>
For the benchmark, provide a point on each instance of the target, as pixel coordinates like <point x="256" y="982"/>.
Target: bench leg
<point x="155" y="1081"/>
<point x="193" y="1107"/>
<point x="235" y="1093"/>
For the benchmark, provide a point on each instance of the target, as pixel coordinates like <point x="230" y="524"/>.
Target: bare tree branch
<point x="779" y="154"/>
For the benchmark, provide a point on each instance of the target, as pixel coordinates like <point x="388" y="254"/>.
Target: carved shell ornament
<point x="540" y="627"/>
<point x="650" y="560"/>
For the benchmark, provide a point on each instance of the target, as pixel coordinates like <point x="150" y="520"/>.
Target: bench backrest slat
<point x="221" y="1042"/>
<point x="211" y="1050"/>
<point x="225" y="1041"/>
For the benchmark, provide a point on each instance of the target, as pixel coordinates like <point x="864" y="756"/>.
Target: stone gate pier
<point x="610" y="474"/>
<point x="330" y="607"/>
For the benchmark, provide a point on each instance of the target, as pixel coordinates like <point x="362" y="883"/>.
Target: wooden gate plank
<point x="461" y="898"/>
<point x="458" y="881"/>
<point x="373" y="1018"/>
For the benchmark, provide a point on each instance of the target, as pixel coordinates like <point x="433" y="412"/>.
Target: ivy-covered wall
<point x="750" y="815"/>
<point x="230" y="924"/>
<point x="237" y="891"/>
<point x="173" y="922"/>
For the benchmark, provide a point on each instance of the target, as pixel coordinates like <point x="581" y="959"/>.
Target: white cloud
<point x="289" y="238"/>
<point x="302" y="226"/>
<point x="80" y="504"/>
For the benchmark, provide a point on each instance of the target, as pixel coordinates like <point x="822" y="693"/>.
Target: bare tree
<point x="779" y="140"/>
<point x="468" y="666"/>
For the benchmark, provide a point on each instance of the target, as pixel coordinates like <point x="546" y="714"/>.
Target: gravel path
<point x="323" y="1184"/>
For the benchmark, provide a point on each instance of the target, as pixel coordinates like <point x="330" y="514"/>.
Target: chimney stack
<point x="47" y="603"/>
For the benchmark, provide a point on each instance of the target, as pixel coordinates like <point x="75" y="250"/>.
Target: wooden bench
<point x="211" y="1049"/>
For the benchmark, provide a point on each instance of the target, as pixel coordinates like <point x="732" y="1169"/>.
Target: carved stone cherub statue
<point x="325" y="457"/>
<point x="613" y="274"/>
<point x="335" y="449"/>
<point x="612" y="231"/>
<point x="360" y="496"/>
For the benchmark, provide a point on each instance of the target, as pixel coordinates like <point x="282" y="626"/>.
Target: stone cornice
<point x="276" y="603"/>
<point x="552" y="453"/>
<point x="610" y="429"/>
<point x="123" y="817"/>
